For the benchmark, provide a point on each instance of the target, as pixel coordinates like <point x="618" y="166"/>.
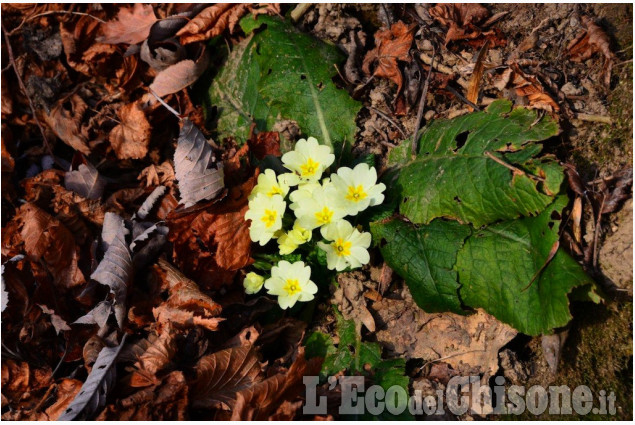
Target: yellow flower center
<point x="309" y="168"/>
<point x="269" y="217"/>
<point x="324" y="216"/>
<point x="342" y="248"/>
<point x="356" y="194"/>
<point x="275" y="190"/>
<point x="292" y="287"/>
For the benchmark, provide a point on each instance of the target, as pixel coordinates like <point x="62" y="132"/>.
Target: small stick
<point x="387" y="118"/>
<point x="596" y="233"/>
<point x="594" y="118"/>
<point x="443" y="69"/>
<point x="299" y="11"/>
<point x="163" y="102"/>
<point x="422" y="104"/>
<point x="462" y="98"/>
<point x="511" y="167"/>
<point x="23" y="88"/>
<point x="552" y="253"/>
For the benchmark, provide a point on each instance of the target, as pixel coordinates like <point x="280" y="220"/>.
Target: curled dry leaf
<point x="186" y="305"/>
<point x="150" y="201"/>
<point x="200" y="177"/>
<point x="593" y="40"/>
<point x="213" y="243"/>
<point x="116" y="267"/>
<point x="97" y="316"/>
<point x="130" y="138"/>
<point x="527" y="86"/>
<point x="47" y="241"/>
<point x="391" y="45"/>
<point x="131" y="26"/>
<point x="67" y="389"/>
<point x="221" y="375"/>
<point x="85" y="181"/>
<point x="155" y="175"/>
<point x="66" y="123"/>
<point x="213" y="20"/>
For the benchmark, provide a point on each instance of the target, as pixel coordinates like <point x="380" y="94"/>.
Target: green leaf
<point x="279" y="73"/>
<point x="425" y="258"/>
<point x="505" y="269"/>
<point x="463" y="170"/>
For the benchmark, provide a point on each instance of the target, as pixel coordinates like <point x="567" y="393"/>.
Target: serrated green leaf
<point x="425" y="257"/>
<point x="505" y="269"/>
<point x="460" y="171"/>
<point x="279" y="73"/>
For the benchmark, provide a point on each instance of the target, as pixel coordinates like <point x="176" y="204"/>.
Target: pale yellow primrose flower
<point x="349" y="247"/>
<point x="265" y="214"/>
<point x="253" y="283"/>
<point x="270" y="185"/>
<point x="357" y="188"/>
<point x="318" y="209"/>
<point x="291" y="283"/>
<point x="289" y="242"/>
<point x="309" y="159"/>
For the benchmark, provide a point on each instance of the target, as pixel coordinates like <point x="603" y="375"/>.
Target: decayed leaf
<point x="131" y="26"/>
<point x="213" y="243"/>
<point x="213" y="20"/>
<point x="115" y="268"/>
<point x="460" y="18"/>
<point x="200" y="177"/>
<point x="66" y="124"/>
<point x="150" y="201"/>
<point x="221" y="375"/>
<point x="46" y="239"/>
<point x="258" y="402"/>
<point x="130" y="138"/>
<point x="186" y="305"/>
<point x="85" y="181"/>
<point x="157" y="354"/>
<point x="176" y="77"/>
<point x="528" y="86"/>
<point x="593" y="40"/>
<point x="391" y="45"/>
<point x="92" y="396"/>
<point x="58" y="323"/>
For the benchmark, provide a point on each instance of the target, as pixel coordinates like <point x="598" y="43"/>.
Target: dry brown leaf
<point x="460" y="18"/>
<point x="85" y="181"/>
<point x="593" y="40"/>
<point x="391" y="45"/>
<point x="67" y="389"/>
<point x="130" y="138"/>
<point x="264" y="143"/>
<point x="155" y="175"/>
<point x="213" y="243"/>
<point x="131" y="26"/>
<point x="48" y="242"/>
<point x="158" y="353"/>
<point x="66" y="123"/>
<point x="526" y="85"/>
<point x="260" y="401"/>
<point x="58" y="323"/>
<point x="215" y="19"/>
<point x="221" y="375"/>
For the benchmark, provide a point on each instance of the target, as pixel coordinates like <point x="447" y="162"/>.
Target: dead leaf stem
<point x="422" y="104"/>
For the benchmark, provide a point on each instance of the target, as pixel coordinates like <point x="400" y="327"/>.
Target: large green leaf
<point x="506" y="269"/>
<point x="479" y="168"/>
<point x="425" y="258"/>
<point x="279" y="73"/>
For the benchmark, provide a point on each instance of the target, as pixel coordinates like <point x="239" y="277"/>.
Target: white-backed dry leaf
<point x="176" y="77"/>
<point x="130" y="138"/>
<point x="93" y="394"/>
<point x="147" y="234"/>
<point x="85" y="181"/>
<point x="115" y="269"/>
<point x="193" y="162"/>
<point x="150" y="201"/>
<point x="58" y="323"/>
<point x="97" y="316"/>
<point x="110" y="228"/>
<point x="219" y="376"/>
<point x="131" y="26"/>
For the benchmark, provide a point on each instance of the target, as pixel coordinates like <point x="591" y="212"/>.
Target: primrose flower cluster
<point x="316" y="203"/>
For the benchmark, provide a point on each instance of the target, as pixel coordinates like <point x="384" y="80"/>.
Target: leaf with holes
<point x="93" y="393"/>
<point x="479" y="168"/>
<point x="279" y="73"/>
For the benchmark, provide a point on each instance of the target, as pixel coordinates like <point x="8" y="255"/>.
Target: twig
<point x="462" y="98"/>
<point x="299" y="11"/>
<point x="625" y="62"/>
<point x="443" y="69"/>
<point x="387" y="118"/>
<point x="511" y="167"/>
<point x="422" y="104"/>
<point x="552" y="253"/>
<point x="163" y="102"/>
<point x="594" y="118"/>
<point x="596" y="233"/>
<point x="23" y="88"/>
